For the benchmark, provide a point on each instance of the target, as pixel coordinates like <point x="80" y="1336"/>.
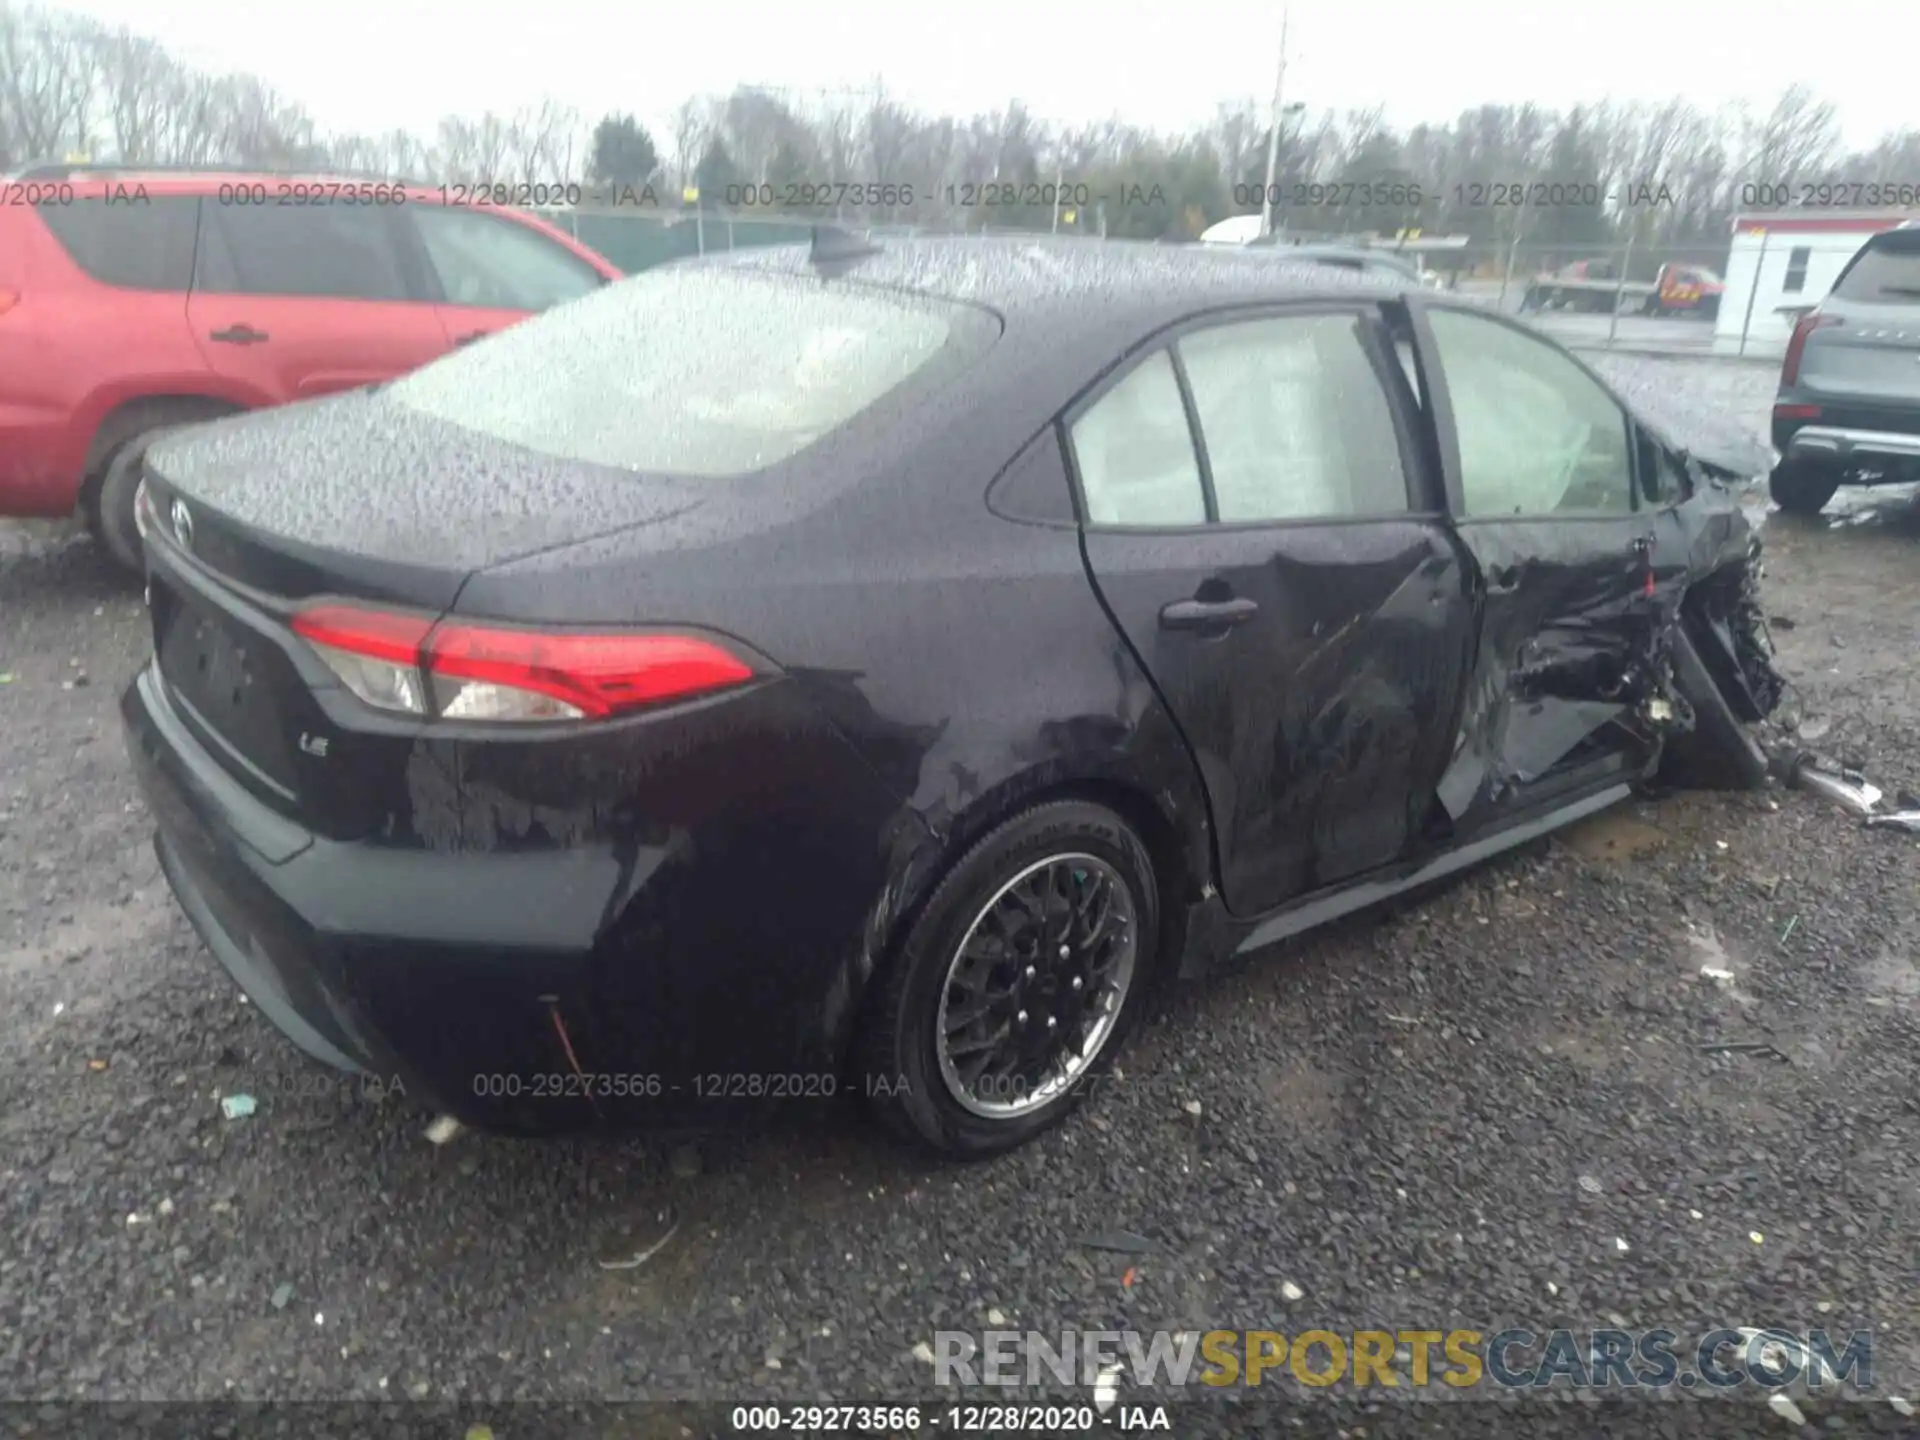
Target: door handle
<point x="1207" y="614"/>
<point x="241" y="334"/>
<point x="470" y="337"/>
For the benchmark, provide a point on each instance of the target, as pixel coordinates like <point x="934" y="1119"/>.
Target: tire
<point x="110" y="511"/>
<point x="107" y="503"/>
<point x="1802" y="487"/>
<point x="1720" y="753"/>
<point x="899" y="1050"/>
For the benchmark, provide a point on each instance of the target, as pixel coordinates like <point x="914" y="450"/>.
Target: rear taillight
<point x="1797" y="344"/>
<point x="1796" y="412"/>
<point x="377" y="655"/>
<point x="452" y="670"/>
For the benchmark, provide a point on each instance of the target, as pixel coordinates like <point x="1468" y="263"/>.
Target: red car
<point x="133" y="301"/>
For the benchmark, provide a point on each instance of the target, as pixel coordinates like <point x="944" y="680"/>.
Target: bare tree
<point x="49" y="75"/>
<point x="1239" y="135"/>
<point x="475" y="152"/>
<point x="1799" y="136"/>
<point x="547" y="142"/>
<point x="692" y="132"/>
<point x="757" y="123"/>
<point x="69" y="84"/>
<point x="138" y="75"/>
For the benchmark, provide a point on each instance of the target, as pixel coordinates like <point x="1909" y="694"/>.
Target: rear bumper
<point x="1816" y="424"/>
<point x="1832" y="442"/>
<point x="494" y="986"/>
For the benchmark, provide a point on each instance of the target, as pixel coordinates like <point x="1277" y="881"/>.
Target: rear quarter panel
<point x="967" y="662"/>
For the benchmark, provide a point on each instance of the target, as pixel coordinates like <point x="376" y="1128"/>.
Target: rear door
<point x="1540" y="469"/>
<point x="296" y="301"/>
<point x="1867" y="344"/>
<point x="101" y="319"/>
<point x="1260" y="522"/>
<point x="488" y="270"/>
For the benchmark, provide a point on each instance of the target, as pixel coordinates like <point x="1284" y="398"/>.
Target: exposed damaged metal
<point x="1579" y="637"/>
<point x="1846" y="787"/>
<point x="1907" y="820"/>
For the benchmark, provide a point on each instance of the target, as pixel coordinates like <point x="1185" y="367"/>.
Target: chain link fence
<point x="1683" y="300"/>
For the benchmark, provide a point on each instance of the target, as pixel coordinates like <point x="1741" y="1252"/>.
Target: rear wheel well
<point x="136" y="417"/>
<point x="1178" y="886"/>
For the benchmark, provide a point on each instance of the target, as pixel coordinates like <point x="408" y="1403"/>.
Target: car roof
<point x="1075" y="283"/>
<point x="1072" y="310"/>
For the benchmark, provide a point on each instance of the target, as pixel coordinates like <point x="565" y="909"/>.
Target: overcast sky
<point x="370" y="65"/>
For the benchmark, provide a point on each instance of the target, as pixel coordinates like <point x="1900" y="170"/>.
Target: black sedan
<point x="877" y="669"/>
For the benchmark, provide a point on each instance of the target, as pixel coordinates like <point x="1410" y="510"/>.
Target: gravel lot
<point x="1407" y="1174"/>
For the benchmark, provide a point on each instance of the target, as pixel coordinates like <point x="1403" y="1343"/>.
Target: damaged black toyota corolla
<point x="876" y="669"/>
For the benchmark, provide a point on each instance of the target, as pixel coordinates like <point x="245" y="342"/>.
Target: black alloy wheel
<point x="1017" y="982"/>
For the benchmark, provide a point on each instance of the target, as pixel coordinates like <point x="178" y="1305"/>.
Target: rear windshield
<point x="690" y="371"/>
<point x="1887" y="270"/>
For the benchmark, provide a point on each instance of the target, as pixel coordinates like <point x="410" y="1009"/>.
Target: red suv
<point x="132" y="301"/>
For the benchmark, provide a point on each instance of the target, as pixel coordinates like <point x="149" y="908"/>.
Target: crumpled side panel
<point x="1577" y="634"/>
<point x="1574" y="637"/>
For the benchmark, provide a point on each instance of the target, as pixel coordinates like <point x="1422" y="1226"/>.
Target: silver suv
<point x="1848" y="411"/>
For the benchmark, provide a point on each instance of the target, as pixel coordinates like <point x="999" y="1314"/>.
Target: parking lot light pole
<point x="1273" y="133"/>
<point x="1620" y="288"/>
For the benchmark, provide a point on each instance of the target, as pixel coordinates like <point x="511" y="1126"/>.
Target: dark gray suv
<point x="1848" y="411"/>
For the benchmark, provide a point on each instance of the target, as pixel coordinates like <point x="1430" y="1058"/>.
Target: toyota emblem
<point x="182" y="524"/>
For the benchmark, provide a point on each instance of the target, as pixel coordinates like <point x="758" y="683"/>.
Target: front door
<point x="1258" y="521"/>
<point x="297" y="301"/>
<point x="1541" y="478"/>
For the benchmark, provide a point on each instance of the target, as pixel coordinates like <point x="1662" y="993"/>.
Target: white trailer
<point x="1782" y="264"/>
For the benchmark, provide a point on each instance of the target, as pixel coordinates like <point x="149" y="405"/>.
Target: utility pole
<point x="1273" y="135"/>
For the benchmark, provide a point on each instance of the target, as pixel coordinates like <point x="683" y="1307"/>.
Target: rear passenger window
<point x="329" y="252"/>
<point x="136" y="244"/>
<point x="1134" y="451"/>
<point x="1295" y="419"/>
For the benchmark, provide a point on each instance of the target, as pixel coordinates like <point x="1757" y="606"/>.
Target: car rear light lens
<point x="456" y="671"/>
<point x="498" y="674"/>
<point x="1796" y="412"/>
<point x="1797" y="344"/>
<point x="375" y="653"/>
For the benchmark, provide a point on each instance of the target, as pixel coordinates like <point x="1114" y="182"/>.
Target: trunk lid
<point x="1872" y="354"/>
<point x="357" y="495"/>
<point x="349" y="497"/>
<point x="1872" y="351"/>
